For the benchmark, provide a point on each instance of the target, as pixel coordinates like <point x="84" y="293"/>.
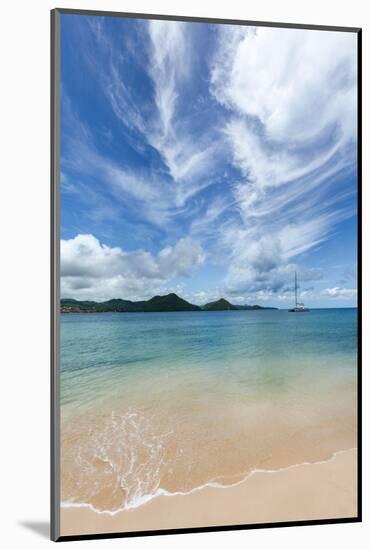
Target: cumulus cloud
<point x="262" y="258"/>
<point x="92" y="270"/>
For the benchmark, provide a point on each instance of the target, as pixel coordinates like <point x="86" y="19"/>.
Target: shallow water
<point x="171" y="401"/>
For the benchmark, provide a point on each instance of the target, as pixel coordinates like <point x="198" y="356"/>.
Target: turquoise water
<point x="97" y="344"/>
<point x="171" y="400"/>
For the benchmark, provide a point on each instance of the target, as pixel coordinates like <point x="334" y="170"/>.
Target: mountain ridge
<point x="168" y="302"/>
<point x="219" y="305"/>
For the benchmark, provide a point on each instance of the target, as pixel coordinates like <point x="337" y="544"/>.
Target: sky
<point x="207" y="160"/>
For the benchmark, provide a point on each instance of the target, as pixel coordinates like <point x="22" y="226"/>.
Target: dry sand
<point x="322" y="490"/>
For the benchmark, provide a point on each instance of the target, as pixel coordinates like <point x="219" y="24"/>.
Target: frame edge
<point x="195" y="19"/>
<point x="55" y="534"/>
<point x="54" y="277"/>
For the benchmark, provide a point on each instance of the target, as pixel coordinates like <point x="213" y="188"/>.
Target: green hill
<point x="116" y="304"/>
<point x="219" y="305"/>
<point x="170" y="302"/>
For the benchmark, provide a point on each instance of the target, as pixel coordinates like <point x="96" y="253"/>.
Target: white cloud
<point x="291" y="125"/>
<point x="292" y="98"/>
<point x="169" y="66"/>
<point x="296" y="82"/>
<point x="205" y="224"/>
<point x="132" y="187"/>
<point x="204" y="296"/>
<point x="267" y="164"/>
<point x="191" y="159"/>
<point x="92" y="270"/>
<point x="160" y="122"/>
<point x="262" y="257"/>
<point x="337" y="292"/>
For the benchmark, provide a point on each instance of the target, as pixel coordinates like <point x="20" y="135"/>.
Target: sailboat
<point x="299" y="306"/>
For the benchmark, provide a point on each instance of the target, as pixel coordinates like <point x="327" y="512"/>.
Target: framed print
<point x="206" y="358"/>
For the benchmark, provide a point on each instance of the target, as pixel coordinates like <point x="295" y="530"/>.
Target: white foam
<point x="143" y="499"/>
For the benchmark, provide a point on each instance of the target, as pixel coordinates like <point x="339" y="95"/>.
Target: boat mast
<point x="296" y="291"/>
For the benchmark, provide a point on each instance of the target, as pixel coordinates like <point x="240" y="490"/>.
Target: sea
<point x="165" y="403"/>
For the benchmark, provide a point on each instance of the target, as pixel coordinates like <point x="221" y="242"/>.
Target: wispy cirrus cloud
<point x="291" y="126"/>
<point x="300" y="83"/>
<point x="190" y="156"/>
<point x="170" y="66"/>
<point x="113" y="181"/>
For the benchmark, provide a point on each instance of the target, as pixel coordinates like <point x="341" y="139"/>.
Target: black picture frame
<point x="55" y="275"/>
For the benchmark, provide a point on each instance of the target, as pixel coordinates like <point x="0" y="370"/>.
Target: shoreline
<point x="326" y="489"/>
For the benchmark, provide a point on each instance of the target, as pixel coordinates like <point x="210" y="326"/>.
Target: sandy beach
<point x="321" y="490"/>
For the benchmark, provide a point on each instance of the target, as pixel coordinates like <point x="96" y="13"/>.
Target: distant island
<point x="170" y="302"/>
<point x="224" y="305"/>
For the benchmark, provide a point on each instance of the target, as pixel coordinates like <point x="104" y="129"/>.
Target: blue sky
<point x="207" y="160"/>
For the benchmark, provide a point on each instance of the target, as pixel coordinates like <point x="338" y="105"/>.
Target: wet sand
<point x="322" y="490"/>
